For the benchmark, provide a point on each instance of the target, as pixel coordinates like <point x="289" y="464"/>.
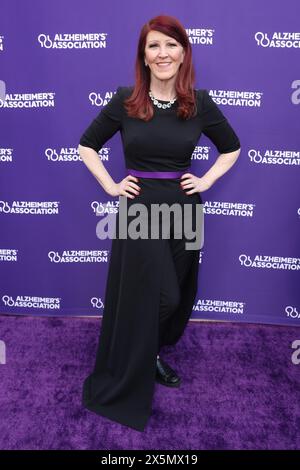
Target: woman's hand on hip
<point x="127" y="187"/>
<point x="193" y="184"/>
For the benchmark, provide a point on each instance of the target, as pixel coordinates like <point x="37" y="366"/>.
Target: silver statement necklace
<point x="161" y="105"/>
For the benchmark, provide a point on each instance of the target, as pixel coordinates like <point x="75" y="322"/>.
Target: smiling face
<point x="163" y="55"/>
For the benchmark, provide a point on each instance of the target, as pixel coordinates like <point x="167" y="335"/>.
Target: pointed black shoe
<point x="165" y="375"/>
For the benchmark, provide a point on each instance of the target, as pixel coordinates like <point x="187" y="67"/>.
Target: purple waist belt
<point x="157" y="174"/>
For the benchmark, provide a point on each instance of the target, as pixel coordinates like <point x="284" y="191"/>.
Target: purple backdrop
<point x="60" y="63"/>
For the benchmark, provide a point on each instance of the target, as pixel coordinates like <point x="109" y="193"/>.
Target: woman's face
<point x="163" y="55"/>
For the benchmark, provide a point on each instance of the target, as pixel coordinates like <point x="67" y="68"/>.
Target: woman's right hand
<point x="126" y="187"/>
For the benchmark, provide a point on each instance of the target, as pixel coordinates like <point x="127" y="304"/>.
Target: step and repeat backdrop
<point x="60" y="63"/>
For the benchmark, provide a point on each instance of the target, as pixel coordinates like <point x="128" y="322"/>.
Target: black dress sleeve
<point x="106" y="124"/>
<point x="216" y="126"/>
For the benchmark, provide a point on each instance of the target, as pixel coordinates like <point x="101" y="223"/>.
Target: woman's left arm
<point x="194" y="184"/>
<point x="222" y="164"/>
<point x="217" y="128"/>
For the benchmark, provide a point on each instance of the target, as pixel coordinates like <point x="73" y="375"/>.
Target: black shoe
<point x="165" y="375"/>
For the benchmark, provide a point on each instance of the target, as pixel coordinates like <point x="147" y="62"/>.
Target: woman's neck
<point x="163" y="89"/>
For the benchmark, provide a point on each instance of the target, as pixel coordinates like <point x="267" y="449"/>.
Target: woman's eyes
<point x="170" y="44"/>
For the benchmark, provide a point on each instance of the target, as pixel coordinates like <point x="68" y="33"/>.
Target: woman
<point x="152" y="283"/>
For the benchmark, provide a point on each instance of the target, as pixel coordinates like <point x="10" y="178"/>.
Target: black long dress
<point x="121" y="385"/>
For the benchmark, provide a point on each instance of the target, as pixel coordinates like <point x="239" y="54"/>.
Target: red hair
<point x="139" y="104"/>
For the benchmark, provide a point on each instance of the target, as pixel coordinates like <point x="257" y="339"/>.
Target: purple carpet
<point x="240" y="389"/>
